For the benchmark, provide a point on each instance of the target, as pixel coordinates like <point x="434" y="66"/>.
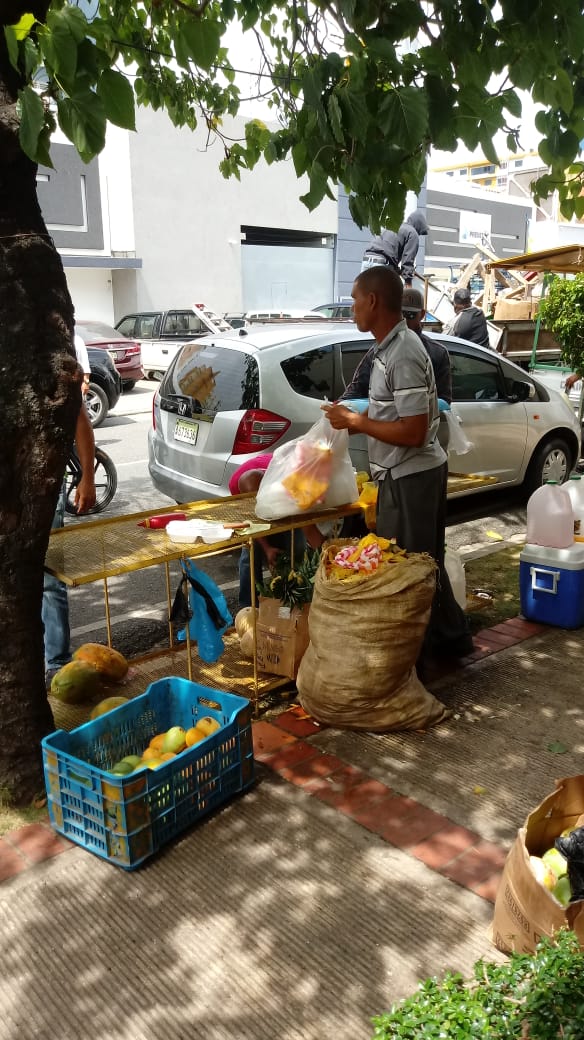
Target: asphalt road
<point x="138" y="601"/>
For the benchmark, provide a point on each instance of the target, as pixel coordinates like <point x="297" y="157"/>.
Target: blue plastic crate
<point x="125" y="819"/>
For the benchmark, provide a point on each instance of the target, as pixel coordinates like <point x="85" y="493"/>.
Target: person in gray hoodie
<point x="398" y="249"/>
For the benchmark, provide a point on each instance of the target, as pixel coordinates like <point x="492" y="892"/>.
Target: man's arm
<point x="410" y="431"/>
<point x="85" y="444"/>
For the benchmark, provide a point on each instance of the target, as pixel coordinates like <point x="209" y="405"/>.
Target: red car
<point x="125" y="353"/>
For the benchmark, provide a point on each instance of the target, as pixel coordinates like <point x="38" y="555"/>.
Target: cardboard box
<point x="282" y="637"/>
<point x="524" y="909"/>
<point x="514" y="310"/>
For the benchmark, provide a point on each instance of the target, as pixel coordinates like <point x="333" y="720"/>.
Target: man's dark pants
<point x="412" y="510"/>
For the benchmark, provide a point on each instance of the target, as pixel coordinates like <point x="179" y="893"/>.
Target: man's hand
<point x="342" y="418"/>
<point x="572" y="380"/>
<point x="85" y="494"/>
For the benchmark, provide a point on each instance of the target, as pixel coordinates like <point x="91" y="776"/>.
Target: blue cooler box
<point x="551" y="585"/>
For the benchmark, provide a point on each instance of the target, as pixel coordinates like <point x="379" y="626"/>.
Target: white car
<point x="226" y="398"/>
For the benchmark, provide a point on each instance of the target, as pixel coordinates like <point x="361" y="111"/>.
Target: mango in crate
<point x="207" y="725"/>
<point x="174" y="739"/>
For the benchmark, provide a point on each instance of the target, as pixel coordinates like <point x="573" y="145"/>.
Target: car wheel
<point x="96" y="404"/>
<point x="128" y="385"/>
<point x="552" y="461"/>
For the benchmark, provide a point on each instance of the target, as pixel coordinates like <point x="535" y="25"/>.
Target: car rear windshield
<point x="216" y="378"/>
<point x="96" y="332"/>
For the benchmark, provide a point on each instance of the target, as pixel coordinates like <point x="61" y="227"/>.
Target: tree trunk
<point x="40" y="399"/>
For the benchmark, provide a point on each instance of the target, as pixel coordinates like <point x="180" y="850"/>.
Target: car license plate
<point x="186" y="431"/>
<point x="116" y="355"/>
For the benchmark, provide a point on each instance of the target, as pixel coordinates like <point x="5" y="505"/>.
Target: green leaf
<point x="564" y="90"/>
<point x="202" y="39"/>
<point x="557" y="748"/>
<point x="335" y="119"/>
<point x="403" y="116"/>
<point x="32" y="120"/>
<point x="82" y="118"/>
<point x="11" y="45"/>
<point x="23" y="26"/>
<point x="68" y="19"/>
<point x="118" y="99"/>
<point x="59" y="50"/>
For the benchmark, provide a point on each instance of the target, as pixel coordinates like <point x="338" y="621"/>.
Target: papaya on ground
<point x="109" y="663"/>
<point x="75" y="682"/>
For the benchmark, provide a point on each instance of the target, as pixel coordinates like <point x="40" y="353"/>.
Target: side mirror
<point x="521" y="390"/>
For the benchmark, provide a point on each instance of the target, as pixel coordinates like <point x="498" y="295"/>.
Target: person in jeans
<point x="406" y="459"/>
<point x="55" y="608"/>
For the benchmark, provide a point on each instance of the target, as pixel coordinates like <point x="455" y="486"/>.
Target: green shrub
<point x="562" y="312"/>
<point x="536" y="996"/>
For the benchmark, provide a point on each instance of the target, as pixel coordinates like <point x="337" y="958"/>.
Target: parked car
<point x="105" y="385"/>
<point x="276" y="314"/>
<point x="339" y="309"/>
<point x="125" y="353"/>
<point x="225" y="399"/>
<point x="161" y="333"/>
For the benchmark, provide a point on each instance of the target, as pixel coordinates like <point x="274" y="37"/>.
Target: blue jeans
<point x="55" y="610"/>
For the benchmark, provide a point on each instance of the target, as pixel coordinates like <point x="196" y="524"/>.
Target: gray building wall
<point x="70" y="200"/>
<point x="509" y="226"/>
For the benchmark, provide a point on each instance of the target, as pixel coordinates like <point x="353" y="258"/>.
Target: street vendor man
<point x="405" y="457"/>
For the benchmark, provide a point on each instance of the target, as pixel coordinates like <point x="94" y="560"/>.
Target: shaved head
<point x="385" y="283"/>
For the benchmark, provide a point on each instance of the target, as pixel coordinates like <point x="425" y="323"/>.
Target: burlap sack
<point x="365" y="635"/>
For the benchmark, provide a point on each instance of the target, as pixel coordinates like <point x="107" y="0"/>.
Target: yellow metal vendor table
<point x="99" y="550"/>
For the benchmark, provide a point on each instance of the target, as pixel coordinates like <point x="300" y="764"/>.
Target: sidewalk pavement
<point x="357" y="865"/>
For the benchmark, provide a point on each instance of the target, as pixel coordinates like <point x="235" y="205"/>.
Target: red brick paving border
<point x="453" y="851"/>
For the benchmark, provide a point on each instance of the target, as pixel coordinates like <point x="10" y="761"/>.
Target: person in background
<point x="398" y="249"/>
<point x="414" y="312"/>
<point x="55" y="608"/>
<point x="470" y="322"/>
<point x="571" y="380"/>
<point x="83" y="360"/>
<point x="405" y="457"/>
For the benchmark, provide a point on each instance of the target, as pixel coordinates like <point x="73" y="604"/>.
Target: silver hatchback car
<point x="230" y="396"/>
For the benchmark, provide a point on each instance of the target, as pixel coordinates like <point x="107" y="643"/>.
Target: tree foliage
<point x="562" y="312"/>
<point x="359" y="91"/>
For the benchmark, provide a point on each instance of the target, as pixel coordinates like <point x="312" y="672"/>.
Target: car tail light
<point x="154" y="407"/>
<point x="258" y="429"/>
<point x="133" y="348"/>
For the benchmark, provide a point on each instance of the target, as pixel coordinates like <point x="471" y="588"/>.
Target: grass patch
<point x="492" y="588"/>
<point x="11" y="819"/>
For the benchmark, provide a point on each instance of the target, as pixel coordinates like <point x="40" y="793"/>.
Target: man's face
<point x="414" y="319"/>
<point x="363" y="305"/>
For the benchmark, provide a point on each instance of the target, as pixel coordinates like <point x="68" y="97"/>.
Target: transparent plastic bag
<point x="458" y="442"/>
<point x="308" y="474"/>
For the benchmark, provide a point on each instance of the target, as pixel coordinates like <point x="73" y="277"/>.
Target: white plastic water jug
<point x="575" y="489"/>
<point x="455" y="570"/>
<point x="550" y="517"/>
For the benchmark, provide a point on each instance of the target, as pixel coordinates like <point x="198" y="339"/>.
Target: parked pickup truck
<point x="162" y="333"/>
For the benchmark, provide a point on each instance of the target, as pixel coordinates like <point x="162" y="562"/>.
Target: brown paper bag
<point x="524" y="909"/>
<point x="282" y="637"/>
